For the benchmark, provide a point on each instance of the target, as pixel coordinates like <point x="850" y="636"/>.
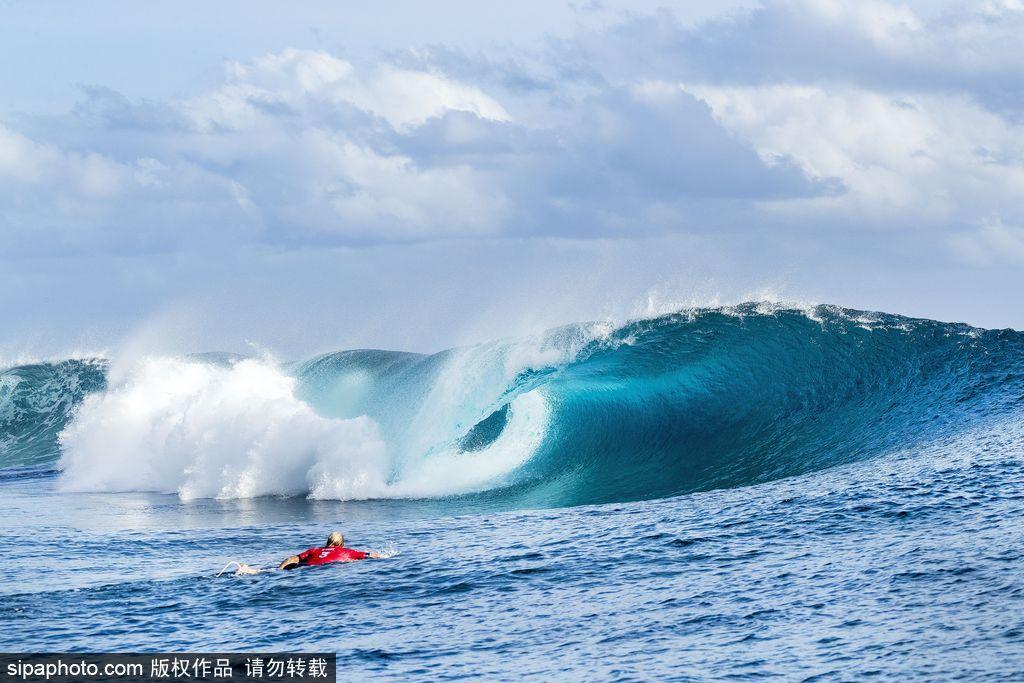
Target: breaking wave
<point x="700" y="399"/>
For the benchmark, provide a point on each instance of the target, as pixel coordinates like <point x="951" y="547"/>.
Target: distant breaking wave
<point x="700" y="399"/>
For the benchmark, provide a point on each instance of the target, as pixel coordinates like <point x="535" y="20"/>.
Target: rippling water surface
<point x="706" y="496"/>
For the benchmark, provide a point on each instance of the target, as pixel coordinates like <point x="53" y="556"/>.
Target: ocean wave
<point x="699" y="399"/>
<point x="36" y="402"/>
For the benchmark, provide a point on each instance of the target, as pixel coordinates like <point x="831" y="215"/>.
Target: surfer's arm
<point x="291" y="563"/>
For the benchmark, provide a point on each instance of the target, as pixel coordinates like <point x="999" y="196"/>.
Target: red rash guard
<point x="327" y="555"/>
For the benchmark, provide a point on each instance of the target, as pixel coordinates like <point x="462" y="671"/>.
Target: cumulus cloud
<point x="924" y="158"/>
<point x="864" y="152"/>
<point x="796" y="112"/>
<point x="56" y="199"/>
<point x="874" y="44"/>
<point x="303" y="147"/>
<point x="917" y="118"/>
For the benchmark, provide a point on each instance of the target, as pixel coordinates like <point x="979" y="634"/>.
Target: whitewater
<point x="739" y="491"/>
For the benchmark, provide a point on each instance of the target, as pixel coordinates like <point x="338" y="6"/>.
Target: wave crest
<point x="585" y="413"/>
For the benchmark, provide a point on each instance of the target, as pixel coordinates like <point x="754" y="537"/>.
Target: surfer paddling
<point x="333" y="551"/>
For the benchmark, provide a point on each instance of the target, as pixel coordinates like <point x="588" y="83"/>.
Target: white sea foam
<point x="238" y="431"/>
<point x="202" y="430"/>
<point x="388" y="550"/>
<point x="451" y="471"/>
<point x="475" y="381"/>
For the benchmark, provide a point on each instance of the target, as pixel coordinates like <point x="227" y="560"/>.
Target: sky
<point x="302" y="177"/>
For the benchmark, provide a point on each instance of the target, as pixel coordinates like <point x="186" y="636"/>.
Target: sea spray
<point x="207" y="430"/>
<point x="236" y="429"/>
<point x="696" y="400"/>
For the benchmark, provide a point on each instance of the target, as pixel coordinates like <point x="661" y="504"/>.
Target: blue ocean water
<point x="716" y="494"/>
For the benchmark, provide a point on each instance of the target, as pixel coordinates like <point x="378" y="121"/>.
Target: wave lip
<point x="700" y="399"/>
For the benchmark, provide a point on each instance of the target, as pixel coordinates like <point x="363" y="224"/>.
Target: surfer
<point x="333" y="551"/>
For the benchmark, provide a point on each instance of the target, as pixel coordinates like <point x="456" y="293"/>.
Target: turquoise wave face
<point x="696" y="400"/>
<point x="729" y="398"/>
<point x="36" y="402"/>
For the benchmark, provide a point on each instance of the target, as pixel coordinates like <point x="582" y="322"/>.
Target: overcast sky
<point x="196" y="175"/>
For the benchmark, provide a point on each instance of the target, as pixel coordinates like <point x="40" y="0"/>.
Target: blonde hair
<point x="335" y="539"/>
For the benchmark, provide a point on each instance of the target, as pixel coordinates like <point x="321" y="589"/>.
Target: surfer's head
<point x="335" y="539"/>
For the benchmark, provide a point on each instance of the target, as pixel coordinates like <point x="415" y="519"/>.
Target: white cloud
<point x="302" y="147"/>
<point x="800" y="110"/>
<point x="376" y="196"/>
<point x="968" y="48"/>
<point x="992" y="243"/>
<point x="884" y="24"/>
<point x="299" y="79"/>
<point x="55" y="200"/>
<point x="290" y="147"/>
<point x="931" y="157"/>
<point x="856" y="152"/>
<point x="24" y="162"/>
